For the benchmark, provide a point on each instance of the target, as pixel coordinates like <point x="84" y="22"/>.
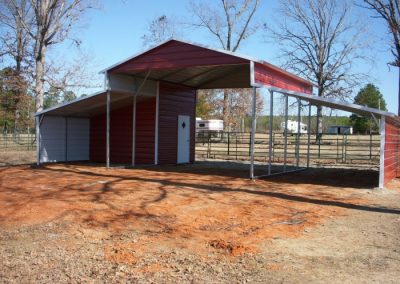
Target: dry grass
<point x="74" y="223"/>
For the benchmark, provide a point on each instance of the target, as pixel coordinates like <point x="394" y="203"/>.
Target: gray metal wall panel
<point x="52" y="139"/>
<point x="78" y="139"/>
<point x="126" y="83"/>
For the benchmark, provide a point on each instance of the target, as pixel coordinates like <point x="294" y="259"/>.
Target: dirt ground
<point x="201" y="223"/>
<point x="10" y="158"/>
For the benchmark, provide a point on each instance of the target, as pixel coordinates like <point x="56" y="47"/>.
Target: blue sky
<point x="114" y="33"/>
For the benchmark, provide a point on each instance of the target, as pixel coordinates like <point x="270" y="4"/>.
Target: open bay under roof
<point x="165" y="79"/>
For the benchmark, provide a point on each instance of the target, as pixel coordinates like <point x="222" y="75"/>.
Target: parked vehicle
<point x="207" y="126"/>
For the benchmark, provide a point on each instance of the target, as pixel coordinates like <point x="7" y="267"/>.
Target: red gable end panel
<point x="175" y="54"/>
<point x="275" y="77"/>
<point x="392" y="151"/>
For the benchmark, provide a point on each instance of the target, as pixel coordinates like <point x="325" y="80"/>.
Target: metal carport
<point x="200" y="67"/>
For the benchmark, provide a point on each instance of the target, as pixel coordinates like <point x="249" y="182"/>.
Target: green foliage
<point x="69" y="96"/>
<point x="51" y="98"/>
<point x="369" y="96"/>
<point x="16" y="105"/>
<point x="54" y="97"/>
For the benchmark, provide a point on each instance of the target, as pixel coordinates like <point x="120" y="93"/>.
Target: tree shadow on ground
<point x="253" y="189"/>
<point x="335" y="177"/>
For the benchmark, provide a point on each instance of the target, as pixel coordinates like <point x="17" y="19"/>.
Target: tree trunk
<point x="39" y="78"/>
<point x="226" y="111"/>
<point x="318" y="125"/>
<point x="318" y="129"/>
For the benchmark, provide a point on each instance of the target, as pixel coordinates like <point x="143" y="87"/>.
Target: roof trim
<point x="287" y="73"/>
<point x="323" y="101"/>
<point x="343" y="105"/>
<point x="70" y="103"/>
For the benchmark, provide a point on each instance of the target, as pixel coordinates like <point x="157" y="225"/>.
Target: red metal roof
<point x="198" y="66"/>
<point x="176" y="54"/>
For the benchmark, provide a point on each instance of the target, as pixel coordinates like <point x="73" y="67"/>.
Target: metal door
<point x="183" y="139"/>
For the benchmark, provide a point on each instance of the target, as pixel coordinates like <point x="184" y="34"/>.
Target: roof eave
<point x="68" y="103"/>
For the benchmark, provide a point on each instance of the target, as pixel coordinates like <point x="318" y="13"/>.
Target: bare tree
<point x="14" y="38"/>
<point x="230" y="24"/>
<point x="66" y="76"/>
<point x="210" y="104"/>
<point x="389" y="11"/>
<point x="241" y="107"/>
<point x="320" y="40"/>
<point x="159" y="30"/>
<point x="52" y="22"/>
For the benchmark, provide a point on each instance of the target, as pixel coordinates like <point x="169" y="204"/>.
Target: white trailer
<point x="209" y="124"/>
<point x="209" y="127"/>
<point x="292" y="127"/>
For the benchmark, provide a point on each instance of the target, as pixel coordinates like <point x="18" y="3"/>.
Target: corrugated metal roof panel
<point x="91" y="105"/>
<point x="349" y="107"/>
<point x="188" y="57"/>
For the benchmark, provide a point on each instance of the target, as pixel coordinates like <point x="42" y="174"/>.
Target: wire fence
<point x="17" y="142"/>
<point x="324" y="149"/>
<point x="17" y="149"/>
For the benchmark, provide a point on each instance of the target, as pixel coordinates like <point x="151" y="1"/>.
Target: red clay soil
<point x="196" y="207"/>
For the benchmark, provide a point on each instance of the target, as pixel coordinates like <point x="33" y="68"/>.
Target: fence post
<point x="229" y="135"/>
<point x="208" y="145"/>
<point x="236" y="146"/>
<point x="273" y="147"/>
<point x="337" y="147"/>
<point x="249" y="144"/>
<point x="370" y="147"/>
<point x="319" y="144"/>
<point x="345" y="148"/>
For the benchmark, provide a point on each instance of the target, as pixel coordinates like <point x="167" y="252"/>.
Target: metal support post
<point x="66" y="139"/>
<point x="108" y="131"/>
<point x="134" y="130"/>
<point x="253" y="132"/>
<point x="156" y="122"/>
<point x="37" y="140"/>
<point x="308" y="135"/>
<point x="382" y="130"/>
<point x="298" y="133"/>
<point x="285" y="133"/>
<point x="271" y="117"/>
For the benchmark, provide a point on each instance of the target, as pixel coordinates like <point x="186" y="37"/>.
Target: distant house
<point x="340" y="129"/>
